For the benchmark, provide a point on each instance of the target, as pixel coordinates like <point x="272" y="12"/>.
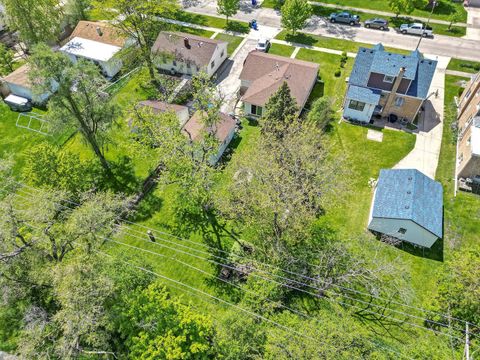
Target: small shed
<point x="158" y="106"/>
<point x="18" y="84"/>
<point x="407" y="205"/>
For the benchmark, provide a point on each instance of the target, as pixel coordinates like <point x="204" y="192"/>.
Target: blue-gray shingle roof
<point x="410" y="195"/>
<point x="363" y="94"/>
<point x="377" y="60"/>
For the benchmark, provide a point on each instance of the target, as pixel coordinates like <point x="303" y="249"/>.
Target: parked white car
<point x="263" y="45"/>
<point x="416" y="29"/>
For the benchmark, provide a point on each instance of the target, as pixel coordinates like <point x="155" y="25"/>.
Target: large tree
<point x="139" y="21"/>
<point x="6" y="60"/>
<point x="295" y="13"/>
<point x="78" y="101"/>
<point x="36" y="21"/>
<point x="228" y="7"/>
<point x="405" y="6"/>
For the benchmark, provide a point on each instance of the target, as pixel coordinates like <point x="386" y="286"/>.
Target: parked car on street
<point x="263" y="45"/>
<point x="416" y="29"/>
<point x="376" y="23"/>
<point x="345" y="18"/>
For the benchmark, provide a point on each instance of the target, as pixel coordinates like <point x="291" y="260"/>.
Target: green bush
<point x="338" y="72"/>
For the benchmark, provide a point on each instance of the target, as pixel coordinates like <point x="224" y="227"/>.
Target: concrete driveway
<point x="425" y="155"/>
<point x="463" y="48"/>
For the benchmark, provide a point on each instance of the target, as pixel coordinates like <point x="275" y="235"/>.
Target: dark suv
<point x="376" y="23"/>
<point x="344" y="17"/>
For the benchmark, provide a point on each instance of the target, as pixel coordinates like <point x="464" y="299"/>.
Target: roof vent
<point x="186" y="42"/>
<point x="200" y="43"/>
<point x="409" y="192"/>
<point x="99" y="31"/>
<point x="407" y="207"/>
<point x="429" y="63"/>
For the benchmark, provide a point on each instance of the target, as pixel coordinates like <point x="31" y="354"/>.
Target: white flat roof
<point x="90" y="49"/>
<point x="14" y="99"/>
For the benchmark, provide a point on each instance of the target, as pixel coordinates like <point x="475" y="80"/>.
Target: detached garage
<point x="407" y="205"/>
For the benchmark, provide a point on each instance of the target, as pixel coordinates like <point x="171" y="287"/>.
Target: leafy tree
<point x="76" y="10"/>
<point x="454" y="17"/>
<point x="405" y="6"/>
<point x="6" y="60"/>
<point x="459" y="288"/>
<point x="228" y="7"/>
<point x="138" y="21"/>
<point x="295" y="13"/>
<point x="155" y="326"/>
<point x="36" y="21"/>
<point x="78" y="101"/>
<point x="280" y="112"/>
<point x="321" y="112"/>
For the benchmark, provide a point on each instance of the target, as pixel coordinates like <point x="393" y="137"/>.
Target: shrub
<point x="338" y="72"/>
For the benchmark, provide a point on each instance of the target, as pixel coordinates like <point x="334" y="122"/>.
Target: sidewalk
<point x="459" y="73"/>
<point x="385" y="13"/>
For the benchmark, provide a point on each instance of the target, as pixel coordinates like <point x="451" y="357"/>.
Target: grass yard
<point x="328" y="42"/>
<point x="280" y="49"/>
<point x="233" y="41"/>
<point x="442" y="10"/>
<point x="212" y="21"/>
<point x="464" y="65"/>
<point x="395" y="22"/>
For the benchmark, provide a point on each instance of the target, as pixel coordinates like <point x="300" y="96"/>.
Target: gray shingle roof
<point x="363" y="94"/>
<point x="377" y="60"/>
<point x="410" y="195"/>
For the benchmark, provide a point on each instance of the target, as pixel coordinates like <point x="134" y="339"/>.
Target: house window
<point x="402" y="231"/>
<point x="399" y="101"/>
<point x="469" y="141"/>
<point x="388" y="79"/>
<point x="467" y="95"/>
<point x="256" y="110"/>
<point x="212" y="65"/>
<point x="223" y="53"/>
<point x="460" y="158"/>
<point x="356" y="105"/>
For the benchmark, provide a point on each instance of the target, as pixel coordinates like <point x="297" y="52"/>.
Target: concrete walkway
<point x="459" y="73"/>
<point x="425" y="155"/>
<point x="473" y="21"/>
<point x="384" y="13"/>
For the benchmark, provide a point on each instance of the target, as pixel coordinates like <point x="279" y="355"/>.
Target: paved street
<point x="439" y="45"/>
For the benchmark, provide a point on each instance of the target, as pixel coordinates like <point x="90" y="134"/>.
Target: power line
<point x="382" y="315"/>
<point x="447" y="317"/>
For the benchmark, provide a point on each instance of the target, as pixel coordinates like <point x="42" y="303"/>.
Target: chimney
<point x="99" y="31"/>
<point x="186" y="42"/>
<point x="393" y="93"/>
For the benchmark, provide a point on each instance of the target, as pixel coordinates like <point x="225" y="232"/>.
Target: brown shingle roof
<point x="200" y="50"/>
<point x="19" y="77"/>
<point x="160" y="106"/>
<point x="267" y="73"/>
<point x="194" y="127"/>
<point x="109" y="34"/>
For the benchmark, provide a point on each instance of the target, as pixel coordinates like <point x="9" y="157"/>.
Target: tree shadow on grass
<point x="147" y="207"/>
<point x="237" y="27"/>
<point x="301" y="38"/>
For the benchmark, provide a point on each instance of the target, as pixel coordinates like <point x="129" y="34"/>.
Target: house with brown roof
<point x="224" y="132"/>
<point x="18" y="84"/>
<point x="188" y="54"/>
<point x="158" y="106"/>
<point x="98" y="42"/>
<point x="264" y="73"/>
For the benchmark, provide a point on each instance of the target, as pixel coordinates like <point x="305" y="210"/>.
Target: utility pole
<point x="426" y="25"/>
<point x="467" y="342"/>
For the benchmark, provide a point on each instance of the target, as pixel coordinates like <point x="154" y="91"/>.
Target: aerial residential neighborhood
<point x="239" y="179"/>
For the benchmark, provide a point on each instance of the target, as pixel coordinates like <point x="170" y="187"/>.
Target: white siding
<point x="109" y="68"/>
<point x="364" y="115"/>
<point x="27" y="93"/>
<point x="415" y="234"/>
<point x="223" y="146"/>
<point x="248" y="109"/>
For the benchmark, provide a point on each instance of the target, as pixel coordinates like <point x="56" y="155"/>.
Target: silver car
<point x="263" y="45"/>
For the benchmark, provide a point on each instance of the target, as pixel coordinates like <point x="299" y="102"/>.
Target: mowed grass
<point x="462" y="221"/>
<point x="282" y="50"/>
<point x="233" y="41"/>
<point x="464" y="65"/>
<point x="328" y="42"/>
<point x="442" y="10"/>
<point x="212" y="21"/>
<point x="395" y="22"/>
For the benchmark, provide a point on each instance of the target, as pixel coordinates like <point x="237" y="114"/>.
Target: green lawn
<point x="279" y="49"/>
<point x="441" y="12"/>
<point x="212" y="21"/>
<point x="395" y="22"/>
<point x="464" y="65"/>
<point x="328" y="42"/>
<point x="233" y="41"/>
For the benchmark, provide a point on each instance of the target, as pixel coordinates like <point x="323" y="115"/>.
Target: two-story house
<point x="188" y="54"/>
<point x="468" y="154"/>
<point x="383" y="83"/>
